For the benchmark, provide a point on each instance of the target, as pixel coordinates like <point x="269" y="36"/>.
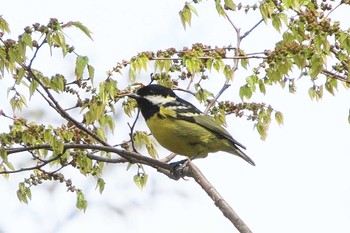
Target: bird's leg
<point x="178" y="168"/>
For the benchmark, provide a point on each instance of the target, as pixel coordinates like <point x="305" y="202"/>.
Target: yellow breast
<point x="185" y="138"/>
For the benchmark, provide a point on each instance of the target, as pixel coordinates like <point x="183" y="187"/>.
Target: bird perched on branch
<point x="181" y="128"/>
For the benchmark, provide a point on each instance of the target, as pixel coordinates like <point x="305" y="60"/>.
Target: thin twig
<point x="36" y="52"/>
<point x="212" y="102"/>
<point x="131" y="134"/>
<point x="250" y="30"/>
<point x="38" y="166"/>
<point x="332" y="10"/>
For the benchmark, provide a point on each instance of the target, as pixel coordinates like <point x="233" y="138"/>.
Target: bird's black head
<point x="155" y="90"/>
<point x="150" y="98"/>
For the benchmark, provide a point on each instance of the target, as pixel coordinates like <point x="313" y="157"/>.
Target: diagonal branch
<point x="127" y="156"/>
<point x="219" y="201"/>
<point x="60" y="110"/>
<point x="335" y="76"/>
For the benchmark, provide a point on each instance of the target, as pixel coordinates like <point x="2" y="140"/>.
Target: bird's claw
<point x="179" y="169"/>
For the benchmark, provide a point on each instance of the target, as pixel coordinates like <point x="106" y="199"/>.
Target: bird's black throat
<point x="147" y="108"/>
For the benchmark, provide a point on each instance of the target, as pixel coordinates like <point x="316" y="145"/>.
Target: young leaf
<point x="245" y="91"/>
<point x="100" y="185"/>
<point x="81" y="203"/>
<point x="91" y="71"/>
<point x="262" y="86"/>
<point x="80" y="64"/>
<point x="4" y="25"/>
<point x="279" y="117"/>
<point x="230" y="5"/>
<point x="312" y="92"/>
<point x="83" y="28"/>
<point x="140" y="180"/>
<point x="219" y="8"/>
<point x="261" y="130"/>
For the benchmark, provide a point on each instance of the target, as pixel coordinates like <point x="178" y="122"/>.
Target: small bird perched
<point x="180" y="127"/>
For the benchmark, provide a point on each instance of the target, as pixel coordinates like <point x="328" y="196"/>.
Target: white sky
<point x="300" y="183"/>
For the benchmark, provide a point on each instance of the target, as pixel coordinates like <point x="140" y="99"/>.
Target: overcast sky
<point x="300" y="183"/>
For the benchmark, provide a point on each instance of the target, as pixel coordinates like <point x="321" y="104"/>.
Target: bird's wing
<point x="210" y="124"/>
<point x="187" y="111"/>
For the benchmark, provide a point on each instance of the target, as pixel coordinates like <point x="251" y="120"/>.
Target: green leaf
<point x="80" y="64"/>
<point x="244" y="63"/>
<point x="186" y="15"/>
<point x="261" y="130"/>
<point x="101" y="134"/>
<point x="276" y="22"/>
<point x="59" y="40"/>
<point x="316" y="64"/>
<point x="245" y="91"/>
<point x="100" y="185"/>
<point x="91" y="71"/>
<point x="279" y="117"/>
<point x="140" y="180"/>
<point x="228" y="72"/>
<point x="32" y="87"/>
<point x="142" y="139"/>
<point x="3" y="156"/>
<point x="312" y="92"/>
<point x="266" y="9"/>
<point x="219" y="8"/>
<point x="27" y="38"/>
<point x="57" y="145"/>
<point x="319" y="92"/>
<point x="4" y="25"/>
<point x="203" y="94"/>
<point x="262" y="86"/>
<point x="57" y="83"/>
<point x="23" y="193"/>
<point x="81" y="203"/>
<point x="230" y="5"/>
<point x="83" y="28"/>
<point x="331" y="84"/>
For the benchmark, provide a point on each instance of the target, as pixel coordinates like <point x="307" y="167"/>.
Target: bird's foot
<point x="179" y="168"/>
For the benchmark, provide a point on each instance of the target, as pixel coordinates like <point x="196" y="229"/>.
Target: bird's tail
<point x="238" y="152"/>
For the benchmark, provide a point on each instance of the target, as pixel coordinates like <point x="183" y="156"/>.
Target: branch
<point x="219" y="201"/>
<point x="127" y="156"/>
<point x="207" y="57"/>
<point x="250" y="30"/>
<point x="336" y="76"/>
<point x="60" y="110"/>
<point x="212" y="102"/>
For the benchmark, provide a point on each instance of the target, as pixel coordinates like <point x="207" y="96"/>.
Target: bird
<point x="180" y="127"/>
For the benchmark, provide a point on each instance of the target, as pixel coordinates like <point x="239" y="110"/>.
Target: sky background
<point x="300" y="183"/>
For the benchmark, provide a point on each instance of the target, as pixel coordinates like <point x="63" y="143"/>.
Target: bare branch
<point x="250" y="30"/>
<point x="219" y="201"/>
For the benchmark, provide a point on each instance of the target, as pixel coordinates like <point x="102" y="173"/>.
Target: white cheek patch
<point x="158" y="99"/>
